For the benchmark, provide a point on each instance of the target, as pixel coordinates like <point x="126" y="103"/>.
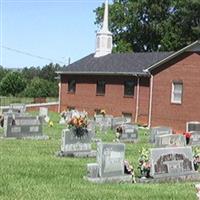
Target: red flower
<point x="187" y="134"/>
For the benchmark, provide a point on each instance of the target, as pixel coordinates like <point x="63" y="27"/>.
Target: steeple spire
<point x="105" y="18"/>
<point x="104" y="37"/>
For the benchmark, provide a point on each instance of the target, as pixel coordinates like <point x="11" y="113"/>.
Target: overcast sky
<point x="53" y="30"/>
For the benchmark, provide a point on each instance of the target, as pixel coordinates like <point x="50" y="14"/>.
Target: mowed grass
<point x="29" y="169"/>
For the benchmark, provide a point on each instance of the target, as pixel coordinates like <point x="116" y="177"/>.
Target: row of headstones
<point x="167" y="162"/>
<point x="163" y="136"/>
<point x="129" y="131"/>
<point x="105" y="123"/>
<point x="170" y="157"/>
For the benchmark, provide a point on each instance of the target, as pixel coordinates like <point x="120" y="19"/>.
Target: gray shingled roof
<point x="125" y="63"/>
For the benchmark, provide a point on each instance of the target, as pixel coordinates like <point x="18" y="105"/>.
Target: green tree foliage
<point x="12" y="84"/>
<point x="30" y="73"/>
<point x="40" y="82"/>
<point x="48" y="72"/>
<point x="152" y="25"/>
<point x="40" y="88"/>
<point x="3" y="72"/>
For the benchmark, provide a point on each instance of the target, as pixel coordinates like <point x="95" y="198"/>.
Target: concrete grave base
<point x="187" y="177"/>
<point x="128" y="141"/>
<point x="113" y="179"/>
<point x="39" y="137"/>
<point x="86" y="154"/>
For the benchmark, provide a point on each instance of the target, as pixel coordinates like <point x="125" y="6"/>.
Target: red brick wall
<point x="85" y="97"/>
<point x="186" y="68"/>
<point x="144" y="100"/>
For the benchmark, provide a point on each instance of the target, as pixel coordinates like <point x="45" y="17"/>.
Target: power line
<point x="30" y="54"/>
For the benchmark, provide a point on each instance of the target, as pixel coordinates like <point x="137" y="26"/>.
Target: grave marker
<point x="173" y="140"/>
<point x="71" y="145"/>
<point x="160" y="130"/>
<point x="110" y="164"/>
<point x="43" y="112"/>
<point x="172" y="162"/>
<point x="22" y="126"/>
<point x="129" y="133"/>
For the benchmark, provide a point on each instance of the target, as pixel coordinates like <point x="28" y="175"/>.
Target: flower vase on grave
<point x="79" y="131"/>
<point x="187" y="137"/>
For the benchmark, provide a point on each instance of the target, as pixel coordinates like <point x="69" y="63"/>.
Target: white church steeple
<point x="104" y="37"/>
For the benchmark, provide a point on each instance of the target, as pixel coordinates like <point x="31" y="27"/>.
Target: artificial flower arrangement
<point x="144" y="164"/>
<point x="103" y="112"/>
<point x="187" y="137"/>
<point x="78" y="123"/>
<point x="196" y="157"/>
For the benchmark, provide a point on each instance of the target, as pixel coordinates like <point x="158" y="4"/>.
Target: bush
<point x="12" y="84"/>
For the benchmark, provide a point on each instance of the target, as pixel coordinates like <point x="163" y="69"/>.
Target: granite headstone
<point x="160" y="130"/>
<point x="110" y="164"/>
<point x="72" y="145"/>
<point x="170" y="140"/>
<point x="171" y="162"/>
<point x="129" y="133"/>
<point x="22" y="126"/>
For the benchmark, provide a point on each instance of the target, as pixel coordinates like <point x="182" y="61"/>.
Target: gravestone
<point x="172" y="162"/>
<point x="118" y="121"/>
<point x="22" y="126"/>
<point x="21" y="108"/>
<point x="74" y="146"/>
<point x="173" y="140"/>
<point x="104" y="122"/>
<point x="17" y="109"/>
<point x="43" y="112"/>
<point x="160" y="130"/>
<point x="110" y="164"/>
<point x="92" y="126"/>
<point x="129" y="133"/>
<point x="192" y="126"/>
<point x="195" y="138"/>
<point x="65" y="117"/>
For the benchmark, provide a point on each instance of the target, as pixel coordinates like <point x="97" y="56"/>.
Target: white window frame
<point x="178" y="93"/>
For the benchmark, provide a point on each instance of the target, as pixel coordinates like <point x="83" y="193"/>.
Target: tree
<point x="41" y="88"/>
<point x="3" y="72"/>
<point x="152" y="25"/>
<point x="12" y="84"/>
<point x="48" y="72"/>
<point x="30" y="73"/>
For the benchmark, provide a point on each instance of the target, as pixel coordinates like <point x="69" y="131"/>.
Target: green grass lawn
<point x="29" y="169"/>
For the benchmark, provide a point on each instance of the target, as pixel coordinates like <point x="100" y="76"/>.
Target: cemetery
<point x="141" y="136"/>
<point x="163" y="168"/>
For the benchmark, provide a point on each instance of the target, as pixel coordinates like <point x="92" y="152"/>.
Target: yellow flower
<point x="103" y="112"/>
<point x="51" y="123"/>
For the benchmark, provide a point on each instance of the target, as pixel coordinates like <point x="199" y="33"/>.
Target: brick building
<point x="157" y="88"/>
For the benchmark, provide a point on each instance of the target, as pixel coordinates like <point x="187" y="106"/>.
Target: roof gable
<point x="194" y="47"/>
